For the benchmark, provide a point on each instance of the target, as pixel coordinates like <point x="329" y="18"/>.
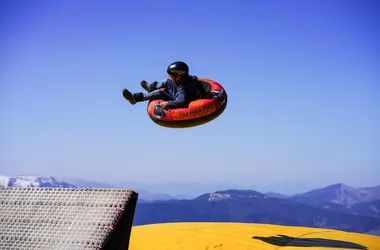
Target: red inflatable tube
<point x="198" y="112"/>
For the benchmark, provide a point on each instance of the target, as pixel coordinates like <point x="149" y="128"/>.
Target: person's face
<point x="174" y="79"/>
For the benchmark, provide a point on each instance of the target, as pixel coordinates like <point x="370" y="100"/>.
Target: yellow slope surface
<point x="244" y="236"/>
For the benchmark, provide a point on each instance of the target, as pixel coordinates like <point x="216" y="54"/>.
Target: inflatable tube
<point x="212" y="104"/>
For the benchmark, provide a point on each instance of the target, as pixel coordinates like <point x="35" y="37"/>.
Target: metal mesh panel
<point x="58" y="218"/>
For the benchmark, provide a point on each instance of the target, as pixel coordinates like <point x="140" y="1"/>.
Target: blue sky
<point x="302" y="79"/>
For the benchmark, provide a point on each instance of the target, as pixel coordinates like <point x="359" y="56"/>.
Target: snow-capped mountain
<point x="33" y="181"/>
<point x="231" y="194"/>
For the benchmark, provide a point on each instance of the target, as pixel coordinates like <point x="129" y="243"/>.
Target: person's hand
<point x="164" y="105"/>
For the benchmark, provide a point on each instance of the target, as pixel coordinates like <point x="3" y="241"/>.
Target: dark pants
<point x="168" y="94"/>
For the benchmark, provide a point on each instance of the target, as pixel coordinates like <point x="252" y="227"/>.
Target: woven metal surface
<point x="55" y="218"/>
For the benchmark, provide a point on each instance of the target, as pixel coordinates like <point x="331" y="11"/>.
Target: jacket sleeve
<point x="180" y="99"/>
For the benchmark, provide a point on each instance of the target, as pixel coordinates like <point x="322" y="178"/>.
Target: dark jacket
<point x="187" y="91"/>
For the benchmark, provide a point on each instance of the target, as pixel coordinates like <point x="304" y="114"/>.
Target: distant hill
<point x="338" y="194"/>
<point x="33" y="181"/>
<point x="26" y="181"/>
<point x="253" y="207"/>
<point x="371" y="208"/>
<point x="86" y="183"/>
<point x="342" y="197"/>
<point x="230" y="194"/>
<point x="276" y="195"/>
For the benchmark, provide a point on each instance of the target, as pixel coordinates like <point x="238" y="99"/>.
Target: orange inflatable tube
<point x="212" y="104"/>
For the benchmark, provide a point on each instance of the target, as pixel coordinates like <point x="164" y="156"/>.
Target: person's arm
<point x="180" y="100"/>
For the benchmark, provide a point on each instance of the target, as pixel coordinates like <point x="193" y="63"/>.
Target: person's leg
<point x="170" y="87"/>
<point x="157" y="94"/>
<point x="140" y="97"/>
<point x="129" y="96"/>
<point x="148" y="86"/>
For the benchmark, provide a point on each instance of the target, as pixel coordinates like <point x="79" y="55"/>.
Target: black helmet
<point x="177" y="69"/>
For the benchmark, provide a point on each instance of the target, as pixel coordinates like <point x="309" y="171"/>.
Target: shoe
<point x="128" y="95"/>
<point x="145" y="85"/>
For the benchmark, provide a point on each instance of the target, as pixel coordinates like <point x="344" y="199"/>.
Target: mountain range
<point x="49" y="181"/>
<point x="337" y="206"/>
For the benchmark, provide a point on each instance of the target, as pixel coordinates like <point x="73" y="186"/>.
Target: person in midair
<point x="180" y="88"/>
